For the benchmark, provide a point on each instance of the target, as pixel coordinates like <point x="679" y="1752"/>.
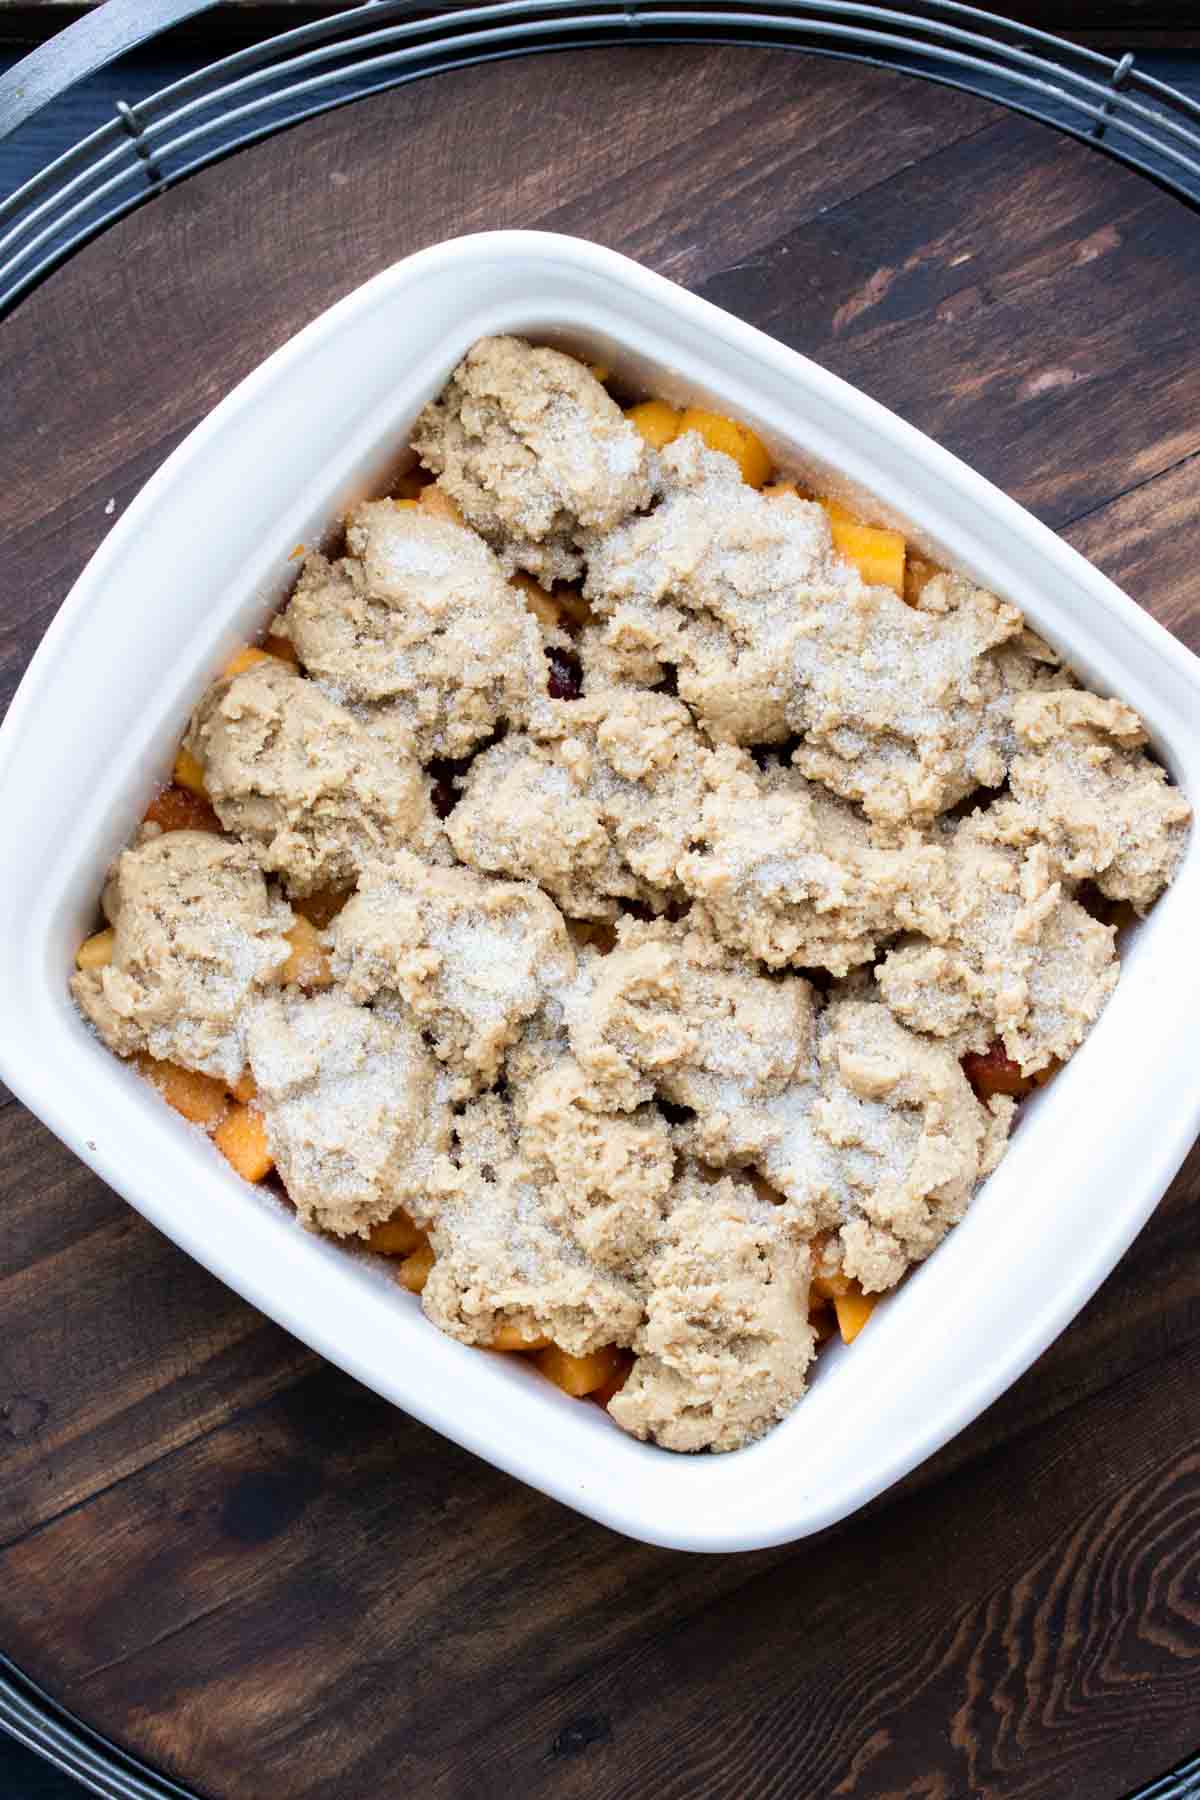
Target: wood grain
<point x="244" y="1566"/>
<point x="1008" y="346"/>
<point x="693" y="182"/>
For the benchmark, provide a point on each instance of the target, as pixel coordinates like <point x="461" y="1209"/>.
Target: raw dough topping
<point x="722" y="585"/>
<point x="350" y="1099"/>
<point x="524" y="814"/>
<point x="904" y="709"/>
<point x="606" y="1175"/>
<point x="197" y="936"/>
<point x="784" y="871"/>
<point x="910" y="710"/>
<point x="1085" y="787"/>
<point x="670" y="1012"/>
<point x="473" y="958"/>
<point x="861" y="1125"/>
<point x="708" y="1001"/>
<point x="419" y="618"/>
<point x="597" y="807"/>
<point x="309" y="786"/>
<point x="500" y="1260"/>
<point x="905" y="1141"/>
<point x="726" y="1340"/>
<point x="534" y="451"/>
<point x="1013" y="957"/>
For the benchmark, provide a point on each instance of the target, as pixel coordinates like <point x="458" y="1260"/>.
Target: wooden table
<point x="262" y="1578"/>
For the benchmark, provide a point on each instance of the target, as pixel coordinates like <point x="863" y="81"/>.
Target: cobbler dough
<point x="309" y="786"/>
<point x="605" y="1175"/>
<point x="670" y="1012"/>
<point x="726" y="1340"/>
<point x="902" y="709"/>
<point x="864" y="1128"/>
<point x="1083" y="786"/>
<point x="198" y="936"/>
<point x="786" y="872"/>
<point x="641" y="760"/>
<point x="350" y="1100"/>
<point x="912" y="710"/>
<point x="472" y="957"/>
<point x="500" y="1259"/>
<point x="722" y="585"/>
<point x="609" y="660"/>
<point x="1013" y="957"/>
<point x="597" y="807"/>
<point x="523" y="814"/>
<point x="418" y="617"/>
<point x="900" y="1142"/>
<point x="570" y="1031"/>
<point x="535" y="453"/>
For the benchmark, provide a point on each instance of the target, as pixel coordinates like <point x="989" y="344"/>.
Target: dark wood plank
<point x="246" y="1567"/>
<point x="1145" y="541"/>
<point x="121" y="353"/>
<point x="114" y="1347"/>
<point x="231" y="1596"/>
<point x="1015" y="347"/>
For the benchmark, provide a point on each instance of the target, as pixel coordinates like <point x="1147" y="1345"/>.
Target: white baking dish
<point x="193" y="569"/>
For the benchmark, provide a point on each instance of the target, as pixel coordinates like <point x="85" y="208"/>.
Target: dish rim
<point x="745" y="348"/>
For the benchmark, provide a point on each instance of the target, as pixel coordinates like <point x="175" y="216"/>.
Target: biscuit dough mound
<point x="903" y="709"/>
<point x="671" y="1012"/>
<point x="304" y="782"/>
<point x="788" y="873"/>
<point x="198" y="935"/>
<point x="908" y="709"/>
<point x="1083" y="785"/>
<point x="350" y="1101"/>
<point x="610" y="659"/>
<point x="471" y="956"/>
<point x="597" y="807"/>
<point x="726" y="1341"/>
<point x="1014" y="956"/>
<point x="523" y="814"/>
<point x="605" y="1175"/>
<point x="500" y="1260"/>
<point x="721" y="584"/>
<point x="642" y="761"/>
<point x="535" y="453"/>
<point x="419" y="618"/>
<point x="902" y="1142"/>
<point x="865" y="1128"/>
<point x="625" y="1016"/>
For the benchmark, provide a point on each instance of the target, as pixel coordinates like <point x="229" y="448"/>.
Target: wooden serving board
<point x="251" y="1571"/>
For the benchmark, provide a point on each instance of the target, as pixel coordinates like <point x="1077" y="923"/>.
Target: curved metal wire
<point x="29" y="1715"/>
<point x="243" y="97"/>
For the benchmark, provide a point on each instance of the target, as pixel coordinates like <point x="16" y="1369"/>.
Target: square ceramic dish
<point x="194" y="568"/>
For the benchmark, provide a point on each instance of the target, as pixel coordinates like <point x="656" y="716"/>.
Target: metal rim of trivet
<point x="243" y="97"/>
<point x="52" y="1732"/>
<point x="246" y="96"/>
